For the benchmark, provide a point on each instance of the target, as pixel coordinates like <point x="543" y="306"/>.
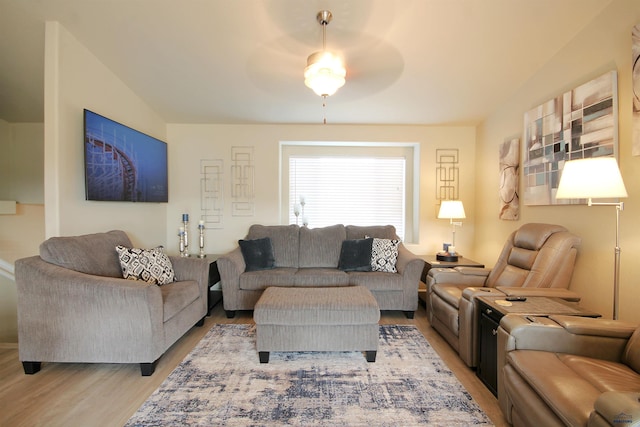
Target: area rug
<point x="222" y="383"/>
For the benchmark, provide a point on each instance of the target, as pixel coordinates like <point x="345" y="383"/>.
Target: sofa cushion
<point x="257" y="254"/>
<point x="284" y="239"/>
<point x="377" y="280"/>
<point x="148" y="265"/>
<point x="379" y="231"/>
<point x="90" y="253"/>
<point x="384" y="255"/>
<point x="320" y="247"/>
<point x="355" y="255"/>
<point x="262" y="279"/>
<point x="321" y="277"/>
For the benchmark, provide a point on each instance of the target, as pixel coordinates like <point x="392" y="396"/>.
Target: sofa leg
<point x="230" y="314"/>
<point x="264" y="356"/>
<point x="200" y="322"/>
<point x="371" y="355"/>
<point x="31" y="368"/>
<point x="147" y="369"/>
<point x="409" y="314"/>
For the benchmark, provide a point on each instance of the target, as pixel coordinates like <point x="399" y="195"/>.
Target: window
<point x="360" y="185"/>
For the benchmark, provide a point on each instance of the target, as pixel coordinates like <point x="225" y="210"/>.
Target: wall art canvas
<point x="580" y="123"/>
<point x="509" y="179"/>
<point x="635" y="38"/>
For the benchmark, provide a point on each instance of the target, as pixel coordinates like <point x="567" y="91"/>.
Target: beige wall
<point x="75" y="79"/>
<point x="603" y="45"/>
<point x="188" y="144"/>
<point x="21" y="180"/>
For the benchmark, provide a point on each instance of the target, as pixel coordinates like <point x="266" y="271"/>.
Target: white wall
<point x="604" y="45"/>
<point x="75" y="79"/>
<point x="188" y="144"/>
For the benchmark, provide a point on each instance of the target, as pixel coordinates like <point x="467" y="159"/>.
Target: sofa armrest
<point x="231" y="265"/>
<point x="76" y="306"/>
<point x="192" y="268"/>
<point x="409" y="263"/>
<point x="616" y="408"/>
<point x="590" y="337"/>
<point x="565" y="294"/>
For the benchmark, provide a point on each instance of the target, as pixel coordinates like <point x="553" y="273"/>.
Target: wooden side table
<point x="430" y="262"/>
<point x="492" y="308"/>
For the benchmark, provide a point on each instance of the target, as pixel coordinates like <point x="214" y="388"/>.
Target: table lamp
<point x="596" y="178"/>
<point x="451" y="209"/>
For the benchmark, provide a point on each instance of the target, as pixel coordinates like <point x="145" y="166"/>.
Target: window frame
<point x="410" y="150"/>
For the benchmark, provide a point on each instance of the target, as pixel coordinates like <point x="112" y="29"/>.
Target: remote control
<point x="516" y="298"/>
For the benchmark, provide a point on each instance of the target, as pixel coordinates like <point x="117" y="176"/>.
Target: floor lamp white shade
<point x="596" y="178"/>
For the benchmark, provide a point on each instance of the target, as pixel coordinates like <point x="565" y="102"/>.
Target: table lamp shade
<point x="451" y="209"/>
<point x="592" y="178"/>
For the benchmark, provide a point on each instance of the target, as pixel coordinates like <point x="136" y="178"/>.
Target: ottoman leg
<point x="264" y="356"/>
<point x="371" y="356"/>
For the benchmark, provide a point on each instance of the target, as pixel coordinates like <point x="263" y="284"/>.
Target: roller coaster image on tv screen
<point x="122" y="164"/>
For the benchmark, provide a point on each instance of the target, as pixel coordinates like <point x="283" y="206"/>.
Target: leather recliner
<point x="536" y="260"/>
<point x="568" y="371"/>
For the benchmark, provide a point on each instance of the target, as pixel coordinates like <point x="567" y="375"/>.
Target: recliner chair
<point x="536" y="260"/>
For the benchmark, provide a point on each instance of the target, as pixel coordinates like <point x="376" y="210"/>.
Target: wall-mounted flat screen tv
<point x="123" y="164"/>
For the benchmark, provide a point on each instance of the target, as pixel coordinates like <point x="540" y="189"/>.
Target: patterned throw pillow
<point x="148" y="265"/>
<point x="384" y="255"/>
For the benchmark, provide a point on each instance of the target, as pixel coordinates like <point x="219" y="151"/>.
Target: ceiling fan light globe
<point x="325" y="73"/>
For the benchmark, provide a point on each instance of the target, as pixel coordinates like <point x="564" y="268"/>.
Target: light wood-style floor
<point x="108" y="394"/>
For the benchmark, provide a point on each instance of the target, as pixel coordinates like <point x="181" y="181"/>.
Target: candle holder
<point x="201" y="240"/>
<point x="185" y="221"/>
<point x="181" y="246"/>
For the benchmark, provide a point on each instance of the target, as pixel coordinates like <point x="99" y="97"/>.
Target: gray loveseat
<point x="74" y="305"/>
<point x="309" y="257"/>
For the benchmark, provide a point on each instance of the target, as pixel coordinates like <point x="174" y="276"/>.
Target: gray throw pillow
<point x="355" y="255"/>
<point x="257" y="254"/>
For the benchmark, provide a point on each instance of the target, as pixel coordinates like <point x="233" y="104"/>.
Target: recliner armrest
<point x="606" y="341"/>
<point x="595" y="327"/>
<point x="470" y="276"/>
<point x="616" y="408"/>
<point x="565" y="294"/>
<point x="473" y="291"/>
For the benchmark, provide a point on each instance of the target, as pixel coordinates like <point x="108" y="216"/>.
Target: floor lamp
<point x="596" y="178"/>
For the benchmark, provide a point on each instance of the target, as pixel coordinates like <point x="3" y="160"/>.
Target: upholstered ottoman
<point x="317" y="319"/>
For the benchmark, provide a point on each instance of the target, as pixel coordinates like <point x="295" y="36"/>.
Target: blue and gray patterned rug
<point x="222" y="383"/>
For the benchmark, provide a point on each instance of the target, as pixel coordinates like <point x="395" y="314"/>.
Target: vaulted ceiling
<point x="241" y="61"/>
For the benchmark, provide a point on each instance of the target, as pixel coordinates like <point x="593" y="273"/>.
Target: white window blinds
<point x="348" y="190"/>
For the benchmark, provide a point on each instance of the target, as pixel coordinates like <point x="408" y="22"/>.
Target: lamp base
<point x="445" y="256"/>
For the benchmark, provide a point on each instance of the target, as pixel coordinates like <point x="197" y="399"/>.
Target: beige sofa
<point x="310" y="257"/>
<point x="569" y="371"/>
<point x="536" y="260"/>
<point x="74" y="305"/>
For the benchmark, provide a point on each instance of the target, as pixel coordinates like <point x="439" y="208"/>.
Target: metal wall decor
<point x="242" y="181"/>
<point x="447" y="174"/>
<point x="212" y="192"/>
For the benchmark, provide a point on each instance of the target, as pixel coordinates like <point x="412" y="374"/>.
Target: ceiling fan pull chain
<point x="324" y="109"/>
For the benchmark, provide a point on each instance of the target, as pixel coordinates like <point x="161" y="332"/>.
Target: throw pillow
<point x="355" y="255"/>
<point x="148" y="265"/>
<point x="257" y="254"/>
<point x="384" y="255"/>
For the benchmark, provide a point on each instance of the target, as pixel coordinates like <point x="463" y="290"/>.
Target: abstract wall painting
<point x="580" y="123"/>
<point x="635" y="46"/>
<point x="509" y="173"/>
